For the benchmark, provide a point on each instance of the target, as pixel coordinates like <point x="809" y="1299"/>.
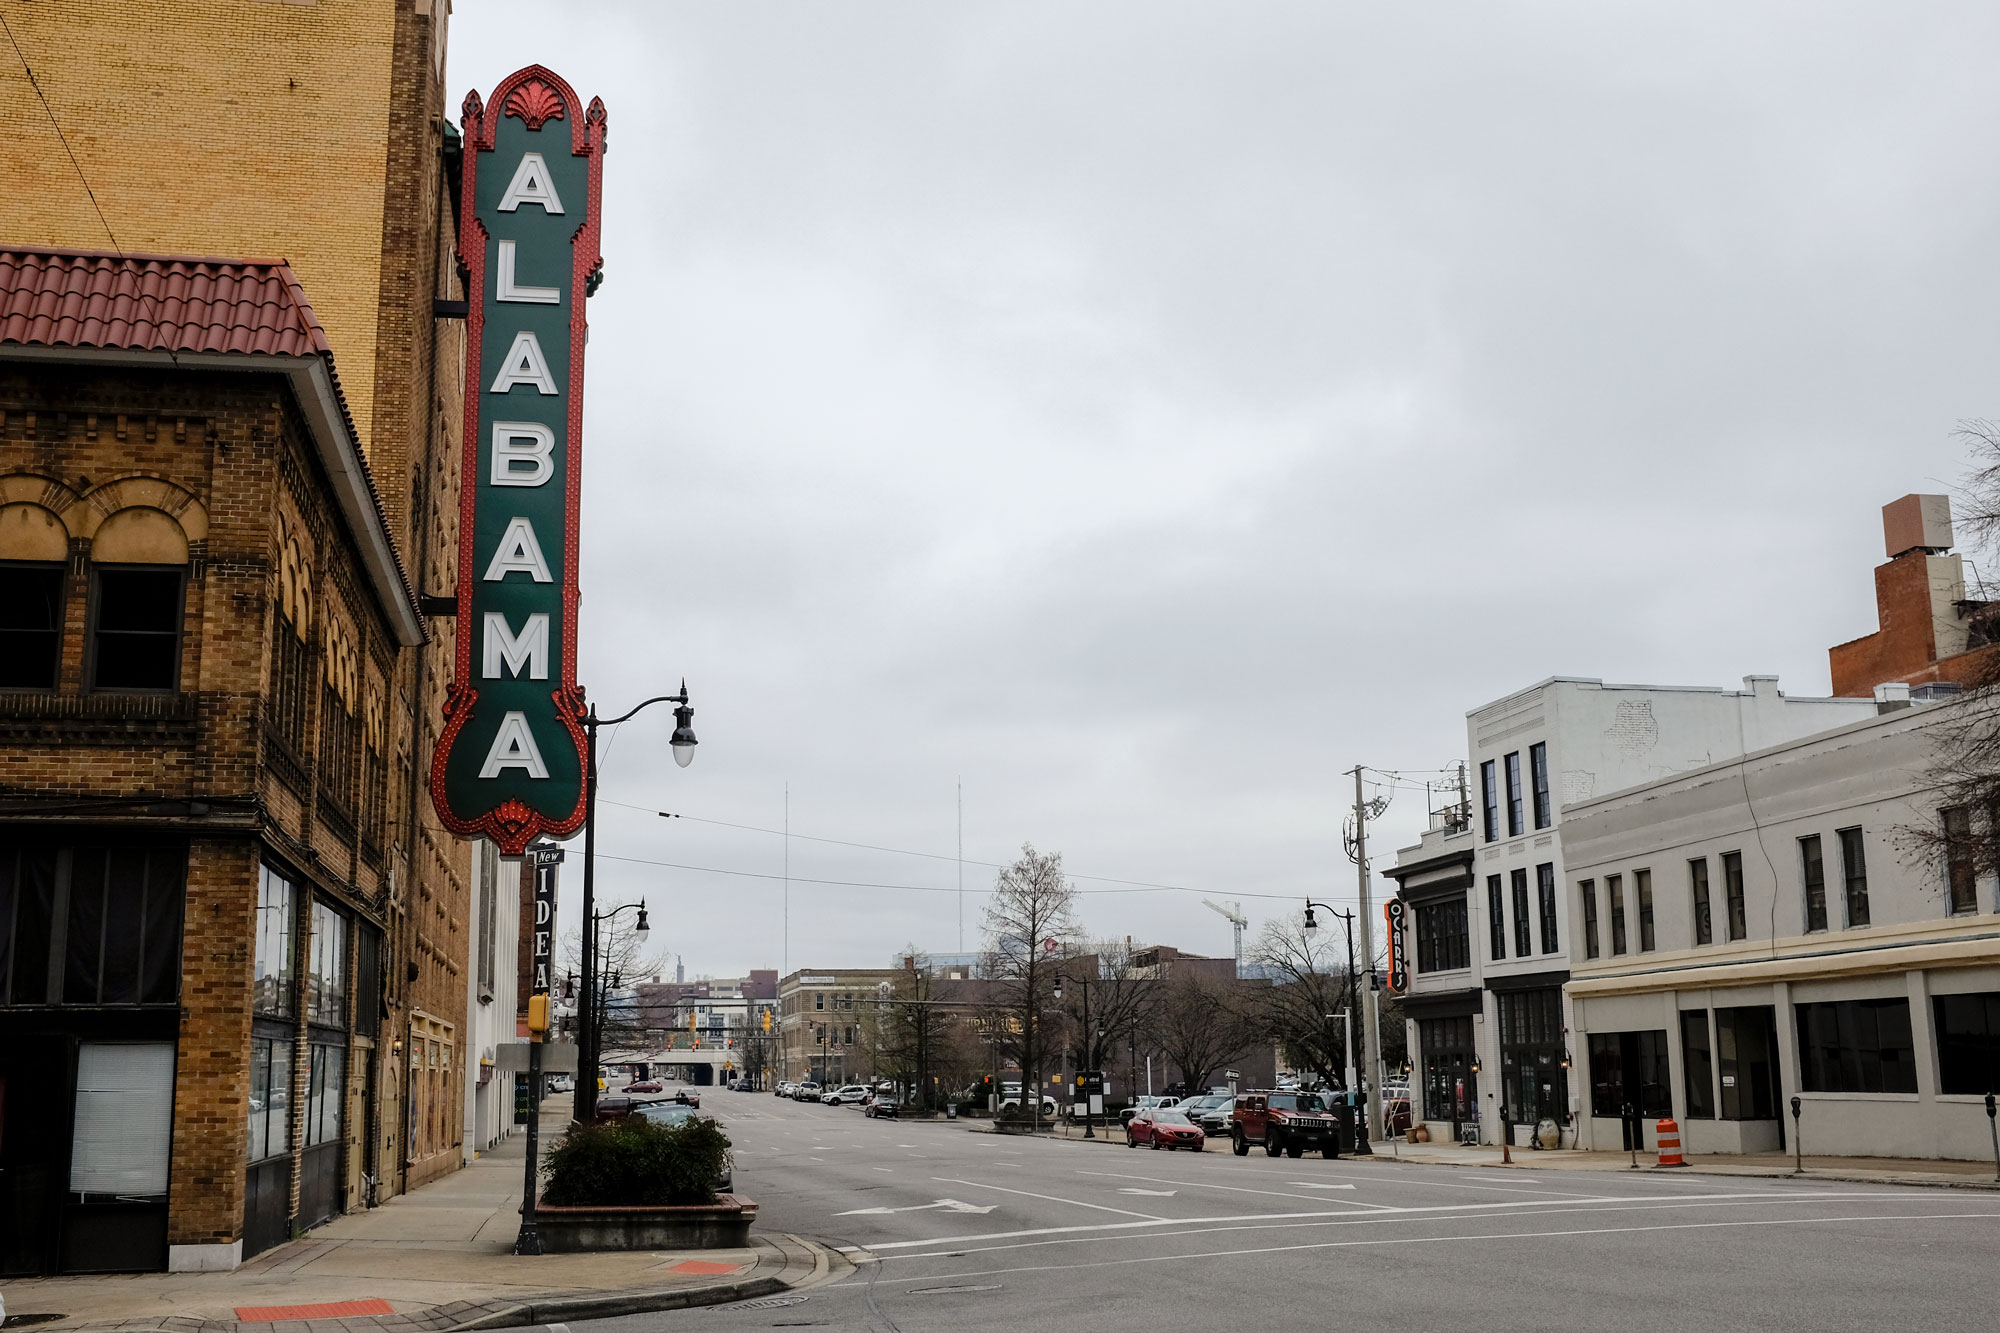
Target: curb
<point x="802" y="1263"/>
<point x="1752" y="1173"/>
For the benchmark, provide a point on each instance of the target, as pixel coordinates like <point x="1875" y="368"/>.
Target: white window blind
<point x="124" y="1117"/>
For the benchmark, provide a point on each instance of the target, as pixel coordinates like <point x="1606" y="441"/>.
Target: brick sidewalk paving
<point x="433" y="1260"/>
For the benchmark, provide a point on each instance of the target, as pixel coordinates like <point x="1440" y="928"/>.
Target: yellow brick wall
<point x="232" y="128"/>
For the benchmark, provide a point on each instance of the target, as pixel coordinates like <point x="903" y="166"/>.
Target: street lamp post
<point x="1311" y="928"/>
<point x="683" y="743"/>
<point x="1088" y="1119"/>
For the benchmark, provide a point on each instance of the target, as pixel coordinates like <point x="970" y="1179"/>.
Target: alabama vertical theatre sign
<point x="509" y="763"/>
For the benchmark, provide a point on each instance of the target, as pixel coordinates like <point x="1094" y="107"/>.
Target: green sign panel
<point x="509" y="764"/>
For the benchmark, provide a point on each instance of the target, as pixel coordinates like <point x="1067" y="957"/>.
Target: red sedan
<point x="1163" y="1129"/>
<point x="646" y="1085"/>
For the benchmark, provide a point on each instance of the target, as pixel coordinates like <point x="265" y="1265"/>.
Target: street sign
<point x="1048" y="946"/>
<point x="547" y="861"/>
<point x="509" y="763"/>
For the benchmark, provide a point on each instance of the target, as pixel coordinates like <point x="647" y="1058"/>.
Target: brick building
<point x="1930" y="633"/>
<point x="220" y="696"/>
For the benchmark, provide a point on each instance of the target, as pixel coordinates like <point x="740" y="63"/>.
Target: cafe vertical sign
<point x="509" y="764"/>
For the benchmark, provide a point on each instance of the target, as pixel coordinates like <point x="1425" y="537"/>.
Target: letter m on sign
<point x="509" y="762"/>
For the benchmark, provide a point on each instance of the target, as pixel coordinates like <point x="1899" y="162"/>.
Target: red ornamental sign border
<point x="536" y="94"/>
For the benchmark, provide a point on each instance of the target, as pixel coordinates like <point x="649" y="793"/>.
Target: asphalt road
<point x="955" y="1230"/>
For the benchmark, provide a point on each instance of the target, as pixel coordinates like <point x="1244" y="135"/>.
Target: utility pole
<point x="1371" y="1034"/>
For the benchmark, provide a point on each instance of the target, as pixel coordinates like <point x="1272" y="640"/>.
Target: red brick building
<point x="1930" y="632"/>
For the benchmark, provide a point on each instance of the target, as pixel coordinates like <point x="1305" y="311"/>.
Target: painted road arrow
<point x="948" y="1205"/>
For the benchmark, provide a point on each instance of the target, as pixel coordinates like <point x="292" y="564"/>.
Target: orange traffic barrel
<point x="1667" y="1135"/>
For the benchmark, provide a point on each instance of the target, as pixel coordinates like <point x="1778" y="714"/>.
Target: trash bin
<point x="951" y="1110"/>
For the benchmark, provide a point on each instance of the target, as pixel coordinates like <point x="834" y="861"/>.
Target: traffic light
<point x="767" y="1020"/>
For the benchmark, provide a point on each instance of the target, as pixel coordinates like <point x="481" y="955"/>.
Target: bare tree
<point x="1200" y="1024"/>
<point x="911" y="1020"/>
<point x="1120" y="1001"/>
<point x="1965" y="765"/>
<point x="1310" y="981"/>
<point x="622" y="960"/>
<point x="1031" y="904"/>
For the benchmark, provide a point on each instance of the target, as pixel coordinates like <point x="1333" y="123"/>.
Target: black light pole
<point x="683" y="743"/>
<point x="1088" y="1119"/>
<point x="1361" y="1145"/>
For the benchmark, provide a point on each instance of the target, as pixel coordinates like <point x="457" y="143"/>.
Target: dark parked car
<point x="687" y="1097"/>
<point x="1163" y="1129"/>
<point x="614" y="1108"/>
<point x="884" y="1107"/>
<point x="1211" y="1112"/>
<point x="672" y="1113"/>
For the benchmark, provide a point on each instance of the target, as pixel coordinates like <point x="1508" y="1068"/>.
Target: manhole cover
<point x="939" y="1291"/>
<point x="772" y="1303"/>
<point x="23" y="1320"/>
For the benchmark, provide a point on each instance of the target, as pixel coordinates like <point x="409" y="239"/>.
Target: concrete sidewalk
<point x="1859" y="1170"/>
<point x="434" y="1260"/>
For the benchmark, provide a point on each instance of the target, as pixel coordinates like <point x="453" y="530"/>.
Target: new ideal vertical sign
<point x="509" y="764"/>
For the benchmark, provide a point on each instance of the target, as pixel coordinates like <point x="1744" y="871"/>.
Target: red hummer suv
<point x="1284" y="1122"/>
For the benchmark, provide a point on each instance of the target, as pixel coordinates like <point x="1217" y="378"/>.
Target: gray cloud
<point x="1145" y="412"/>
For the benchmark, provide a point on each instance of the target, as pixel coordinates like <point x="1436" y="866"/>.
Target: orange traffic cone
<point x="1668" y="1136"/>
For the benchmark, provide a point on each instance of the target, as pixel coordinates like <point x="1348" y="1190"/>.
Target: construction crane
<point x="1234" y="914"/>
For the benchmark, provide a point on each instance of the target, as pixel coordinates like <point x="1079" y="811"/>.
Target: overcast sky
<point x="1144" y="413"/>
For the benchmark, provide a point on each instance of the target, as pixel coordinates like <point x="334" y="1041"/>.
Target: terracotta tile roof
<point x="158" y="303"/>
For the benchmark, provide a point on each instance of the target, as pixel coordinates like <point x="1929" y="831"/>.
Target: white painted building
<point x="1766" y="928"/>
<point x="1491" y="934"/>
<point x="491" y="1001"/>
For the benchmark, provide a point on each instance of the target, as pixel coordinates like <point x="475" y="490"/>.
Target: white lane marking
<point x="1502" y="1235"/>
<point x="1158" y="1194"/>
<point x="1234" y="1189"/>
<point x="948" y="1205"/>
<point x="890" y="1169"/>
<point x="1316" y="1185"/>
<point x="1387" y="1214"/>
<point x="1487" y="1189"/>
<point x="1050" y="1198"/>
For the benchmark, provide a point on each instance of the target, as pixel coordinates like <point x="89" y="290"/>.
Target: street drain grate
<point x="939" y="1291"/>
<point x="772" y="1303"/>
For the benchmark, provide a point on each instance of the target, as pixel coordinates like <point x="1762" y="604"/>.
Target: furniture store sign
<point x="509" y="764"/>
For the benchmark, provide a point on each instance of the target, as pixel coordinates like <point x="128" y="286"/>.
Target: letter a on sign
<point x="509" y="762"/>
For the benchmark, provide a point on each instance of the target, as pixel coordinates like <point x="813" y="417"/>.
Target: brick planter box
<point x="722" y="1225"/>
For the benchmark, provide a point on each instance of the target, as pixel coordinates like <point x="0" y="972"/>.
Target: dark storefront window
<point x="277" y="933"/>
<point x="1442" y="938"/>
<point x="1524" y="941"/>
<point x="1614" y="888"/>
<point x="1968" y="1038"/>
<point x="270" y="1097"/>
<point x="90" y="925"/>
<point x="1630" y="1069"/>
<point x="367" y="981"/>
<point x="1496" y="919"/>
<point x="1704" y="920"/>
<point x="1746" y="1049"/>
<point x="1588" y="888"/>
<point x="1857" y="1046"/>
<point x="324" y="1081"/>
<point x="1545" y="887"/>
<point x="326" y="978"/>
<point x="1642" y="889"/>
<point x="1451" y="1089"/>
<point x="31" y="598"/>
<point x="1697" y="1065"/>
<point x="1534" y="1084"/>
